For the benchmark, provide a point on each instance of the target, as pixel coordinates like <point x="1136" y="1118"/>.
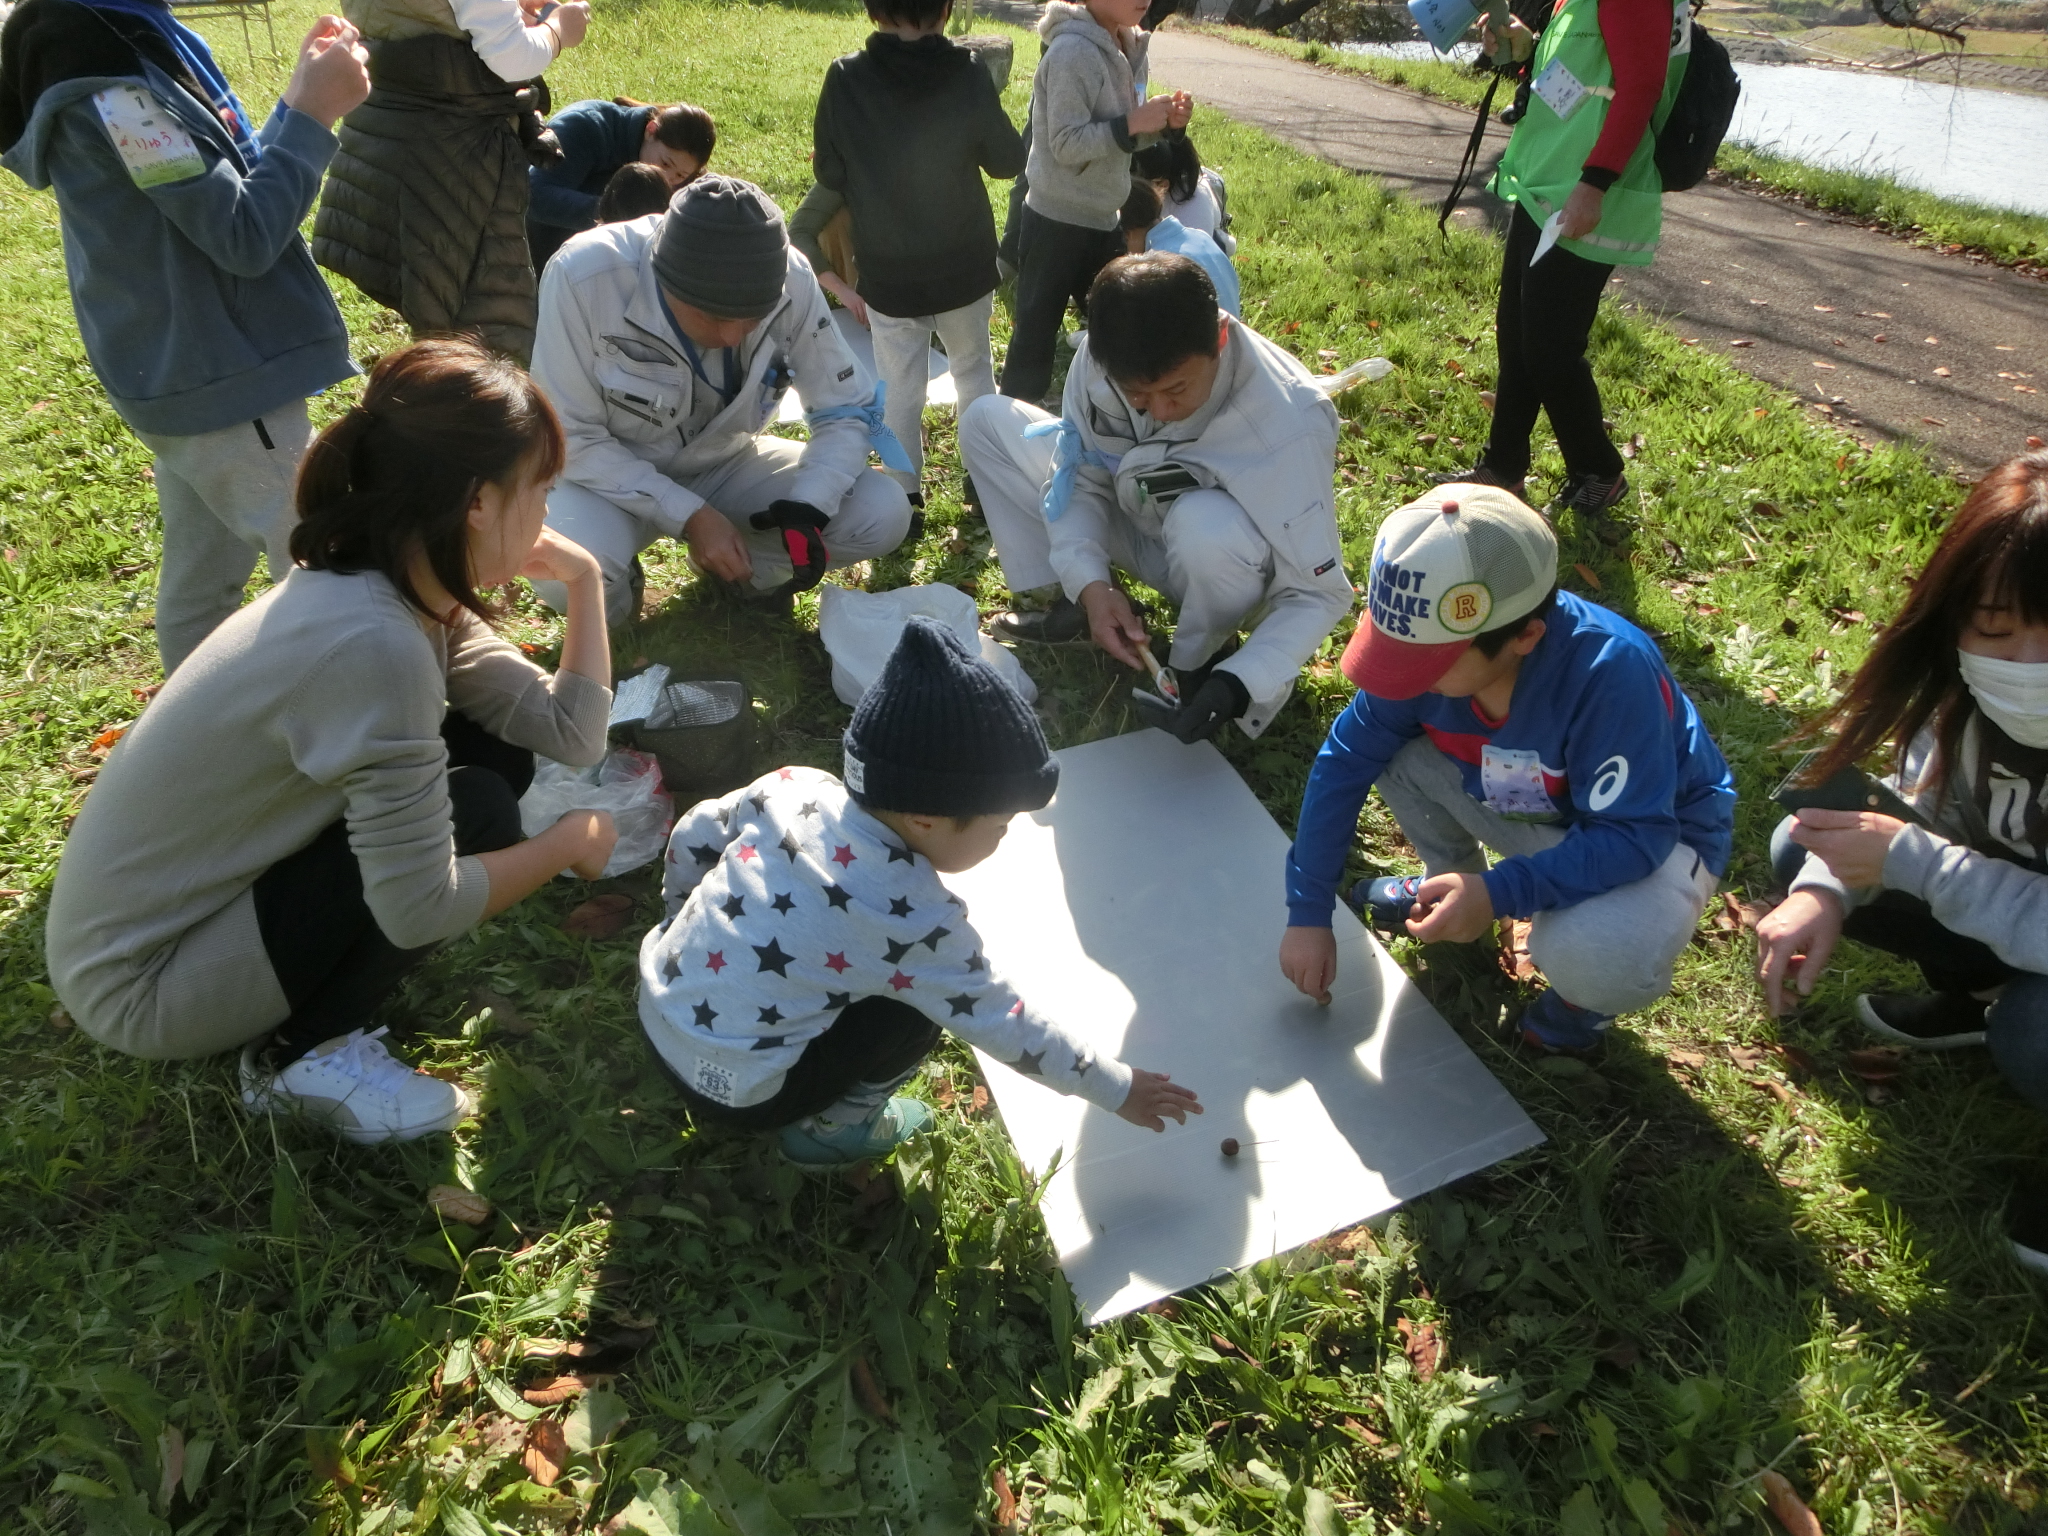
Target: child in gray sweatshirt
<point x="1088" y="113"/>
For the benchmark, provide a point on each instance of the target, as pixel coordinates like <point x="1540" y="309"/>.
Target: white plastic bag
<point x="860" y="630"/>
<point x="626" y="784"/>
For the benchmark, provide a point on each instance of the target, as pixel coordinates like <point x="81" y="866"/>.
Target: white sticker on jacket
<point x="1513" y="782"/>
<point x="151" y="143"/>
<point x="1560" y="89"/>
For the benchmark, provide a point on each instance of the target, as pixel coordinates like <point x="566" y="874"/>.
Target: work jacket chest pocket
<point x="644" y="402"/>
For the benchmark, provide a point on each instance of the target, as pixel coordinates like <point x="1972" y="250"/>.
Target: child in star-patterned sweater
<point x="810" y="954"/>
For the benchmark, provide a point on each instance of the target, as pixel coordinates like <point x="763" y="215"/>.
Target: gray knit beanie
<point x="722" y="248"/>
<point x="941" y="734"/>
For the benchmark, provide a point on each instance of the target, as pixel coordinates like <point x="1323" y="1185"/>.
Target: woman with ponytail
<point x="1957" y="687"/>
<point x="329" y="786"/>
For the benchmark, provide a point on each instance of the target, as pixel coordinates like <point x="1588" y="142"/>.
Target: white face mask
<point x="2012" y="694"/>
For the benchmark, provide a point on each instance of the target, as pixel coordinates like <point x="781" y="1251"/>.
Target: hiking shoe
<point x="877" y="1136"/>
<point x="1939" y="1021"/>
<point x="1550" y="1026"/>
<point x="1592" y="500"/>
<point x="2026" y="1228"/>
<point x="1064" y="623"/>
<point x="1482" y="474"/>
<point x="357" y="1088"/>
<point x="1385" y="903"/>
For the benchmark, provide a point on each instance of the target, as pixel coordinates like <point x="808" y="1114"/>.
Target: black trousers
<point x="1055" y="263"/>
<point x="876" y="1040"/>
<point x="1544" y="318"/>
<point x="331" y="958"/>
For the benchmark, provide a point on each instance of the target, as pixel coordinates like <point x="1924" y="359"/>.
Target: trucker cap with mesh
<point x="1450" y="565"/>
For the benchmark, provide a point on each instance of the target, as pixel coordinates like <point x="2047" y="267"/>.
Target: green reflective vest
<point x="1549" y="148"/>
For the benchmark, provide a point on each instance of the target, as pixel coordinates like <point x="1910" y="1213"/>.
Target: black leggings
<point x="1055" y="262"/>
<point x="1544" y="318"/>
<point x="331" y="959"/>
<point x="876" y="1040"/>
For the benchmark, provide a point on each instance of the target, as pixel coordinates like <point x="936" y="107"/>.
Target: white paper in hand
<point x="1548" y="238"/>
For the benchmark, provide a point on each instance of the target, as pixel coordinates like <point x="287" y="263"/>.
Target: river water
<point x="1974" y="145"/>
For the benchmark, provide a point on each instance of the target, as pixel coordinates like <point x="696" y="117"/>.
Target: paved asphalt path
<point x="1839" y="315"/>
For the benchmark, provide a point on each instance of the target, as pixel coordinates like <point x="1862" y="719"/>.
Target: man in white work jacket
<point x="1193" y="453"/>
<point x="666" y="344"/>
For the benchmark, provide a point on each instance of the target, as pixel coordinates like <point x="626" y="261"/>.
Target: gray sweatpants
<point x="1612" y="953"/>
<point x="225" y="497"/>
<point x="871" y="520"/>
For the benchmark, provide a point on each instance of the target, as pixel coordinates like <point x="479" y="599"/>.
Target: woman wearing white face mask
<point x="1958" y="685"/>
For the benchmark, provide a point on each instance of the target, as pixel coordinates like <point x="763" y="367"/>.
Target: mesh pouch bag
<point x="701" y="730"/>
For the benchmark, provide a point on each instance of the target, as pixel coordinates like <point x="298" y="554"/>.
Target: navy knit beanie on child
<point x="722" y="248"/>
<point x="940" y="734"/>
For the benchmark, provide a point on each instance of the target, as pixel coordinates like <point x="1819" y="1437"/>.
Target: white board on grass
<point x="938" y="392"/>
<point x="1143" y="908"/>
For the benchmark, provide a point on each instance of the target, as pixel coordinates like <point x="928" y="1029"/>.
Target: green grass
<point x="1725" y="1258"/>
<point x="2007" y="237"/>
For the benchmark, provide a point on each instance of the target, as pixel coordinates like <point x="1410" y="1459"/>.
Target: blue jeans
<point x="2016" y="1024"/>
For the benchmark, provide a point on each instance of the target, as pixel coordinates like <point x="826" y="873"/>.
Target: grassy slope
<point x="2005" y="236"/>
<point x="1723" y="1258"/>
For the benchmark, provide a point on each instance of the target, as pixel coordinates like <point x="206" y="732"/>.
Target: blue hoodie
<point x="1628" y="770"/>
<point x="198" y="302"/>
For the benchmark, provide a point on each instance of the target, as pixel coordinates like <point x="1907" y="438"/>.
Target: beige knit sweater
<point x="322" y="700"/>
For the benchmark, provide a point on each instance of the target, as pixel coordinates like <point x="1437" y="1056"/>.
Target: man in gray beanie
<point x="666" y="344"/>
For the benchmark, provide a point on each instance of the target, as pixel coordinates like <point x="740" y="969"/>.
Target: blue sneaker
<point x="877" y="1136"/>
<point x="1385" y="903"/>
<point x="1550" y="1026"/>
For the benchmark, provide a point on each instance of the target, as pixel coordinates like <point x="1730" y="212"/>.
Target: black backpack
<point x="1705" y="106"/>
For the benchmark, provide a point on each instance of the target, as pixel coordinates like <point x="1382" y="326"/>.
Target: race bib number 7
<point x="152" y="145"/>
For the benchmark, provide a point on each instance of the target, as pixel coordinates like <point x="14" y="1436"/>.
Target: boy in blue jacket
<point x="198" y="302"/>
<point x="1495" y="710"/>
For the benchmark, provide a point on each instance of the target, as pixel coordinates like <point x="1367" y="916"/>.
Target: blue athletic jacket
<point x="1598" y="738"/>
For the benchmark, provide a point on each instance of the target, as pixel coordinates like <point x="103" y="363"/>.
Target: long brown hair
<point x="439" y="421"/>
<point x="1995" y="552"/>
<point x="681" y="126"/>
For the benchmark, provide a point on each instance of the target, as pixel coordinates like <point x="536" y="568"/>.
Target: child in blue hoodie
<point x="1495" y="710"/>
<point x="198" y="302"/>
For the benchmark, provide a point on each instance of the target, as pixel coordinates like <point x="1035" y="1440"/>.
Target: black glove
<point x="802" y="528"/>
<point x="1221" y="699"/>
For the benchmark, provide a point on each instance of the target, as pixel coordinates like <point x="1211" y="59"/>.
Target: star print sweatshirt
<point x="786" y="902"/>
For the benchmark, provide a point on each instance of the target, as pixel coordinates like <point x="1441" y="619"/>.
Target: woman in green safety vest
<point x="1581" y="177"/>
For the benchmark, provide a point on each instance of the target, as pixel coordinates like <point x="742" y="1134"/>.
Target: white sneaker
<point x="357" y="1087"/>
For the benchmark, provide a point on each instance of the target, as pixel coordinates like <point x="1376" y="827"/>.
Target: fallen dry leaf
<point x="1367" y="1433"/>
<point x="1166" y="1306"/>
<point x="60" y="1020"/>
<point x="599" y="918"/>
<point x="459" y="1204"/>
<point x="1421" y="1345"/>
<point x="1942" y="373"/>
<point x="1006" y="1501"/>
<point x="1786" y="1506"/>
<point x="103" y="743"/>
<point x="1747" y="1057"/>
<point x="1875" y="1063"/>
<point x="546" y="1391"/>
<point x="1589" y="576"/>
<point x="1516" y="963"/>
<point x="1777" y="1091"/>
<point x="547" y="1449"/>
<point x="869" y="1391"/>
<point x="980" y="1100"/>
